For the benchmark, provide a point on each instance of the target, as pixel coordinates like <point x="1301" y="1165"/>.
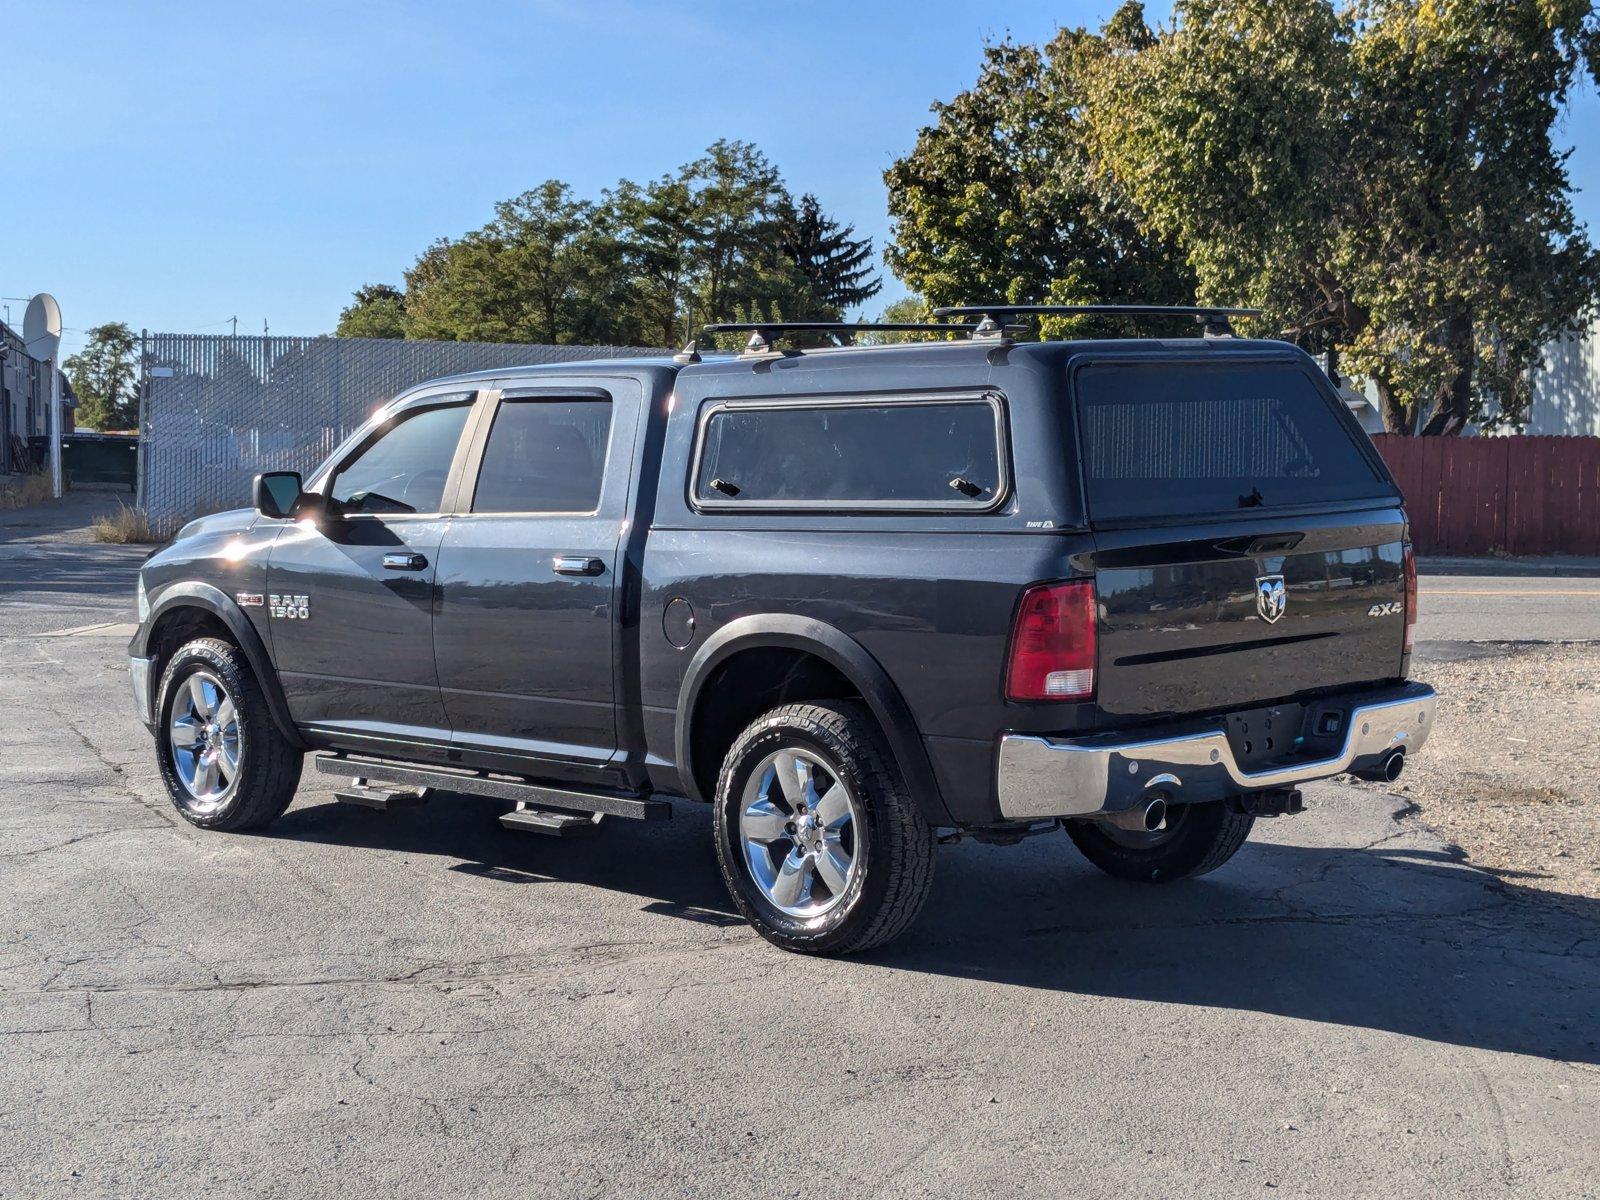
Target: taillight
<point x="1053" y="643"/>
<point x="1411" y="596"/>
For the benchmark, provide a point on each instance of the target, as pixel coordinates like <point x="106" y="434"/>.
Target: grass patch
<point x="32" y="488"/>
<point x="124" y="527"/>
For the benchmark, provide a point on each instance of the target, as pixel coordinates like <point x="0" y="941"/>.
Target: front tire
<point x="223" y="761"/>
<point x="1196" y="838"/>
<point x="823" y="849"/>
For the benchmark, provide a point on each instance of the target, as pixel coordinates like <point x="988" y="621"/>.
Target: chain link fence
<point x="218" y="409"/>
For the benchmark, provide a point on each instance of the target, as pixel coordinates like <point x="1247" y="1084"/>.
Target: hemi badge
<point x="250" y="599"/>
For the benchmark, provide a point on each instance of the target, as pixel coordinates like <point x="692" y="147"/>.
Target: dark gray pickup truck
<point x="859" y="600"/>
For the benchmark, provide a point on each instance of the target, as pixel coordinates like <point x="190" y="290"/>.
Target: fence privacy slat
<point x="1499" y="495"/>
<point x="218" y="409"/>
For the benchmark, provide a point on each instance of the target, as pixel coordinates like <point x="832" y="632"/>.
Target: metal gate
<point x="217" y="409"/>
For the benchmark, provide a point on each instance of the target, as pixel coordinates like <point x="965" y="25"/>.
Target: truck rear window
<point x="1169" y="439"/>
<point x="922" y="453"/>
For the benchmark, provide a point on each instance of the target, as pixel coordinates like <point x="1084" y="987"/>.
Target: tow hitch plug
<point x="1281" y="802"/>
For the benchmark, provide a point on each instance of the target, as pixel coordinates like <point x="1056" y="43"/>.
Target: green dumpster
<point x="100" y="458"/>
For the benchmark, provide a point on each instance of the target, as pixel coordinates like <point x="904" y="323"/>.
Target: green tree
<point x="1379" y="177"/>
<point x="738" y="202"/>
<point x="834" y="264"/>
<point x="908" y="310"/>
<point x="723" y="240"/>
<point x="718" y="240"/>
<point x="1000" y="198"/>
<point x="533" y="274"/>
<point x="379" y="311"/>
<point x="105" y="376"/>
<point x="658" y="240"/>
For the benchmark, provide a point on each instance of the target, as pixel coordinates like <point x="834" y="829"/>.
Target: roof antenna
<point x="689" y="354"/>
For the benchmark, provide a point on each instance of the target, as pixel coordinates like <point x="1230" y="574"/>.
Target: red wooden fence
<point x="1499" y="495"/>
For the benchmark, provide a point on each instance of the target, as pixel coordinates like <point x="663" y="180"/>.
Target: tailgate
<point x="1200" y="624"/>
<point x="1210" y="599"/>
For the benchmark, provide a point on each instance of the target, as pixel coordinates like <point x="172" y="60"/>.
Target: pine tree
<point x="834" y="264"/>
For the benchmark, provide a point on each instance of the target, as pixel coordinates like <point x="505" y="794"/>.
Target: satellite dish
<point x="41" y="327"/>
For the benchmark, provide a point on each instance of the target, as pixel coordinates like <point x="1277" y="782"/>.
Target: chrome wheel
<point x="203" y="732"/>
<point x="799" y="824"/>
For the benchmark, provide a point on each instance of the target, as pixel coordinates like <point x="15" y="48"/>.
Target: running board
<point x="382" y="799"/>
<point x="481" y="783"/>
<point x="551" y="824"/>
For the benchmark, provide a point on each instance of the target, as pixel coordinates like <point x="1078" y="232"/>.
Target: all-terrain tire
<point x="890" y="836"/>
<point x="1199" y="838"/>
<point x="266" y="768"/>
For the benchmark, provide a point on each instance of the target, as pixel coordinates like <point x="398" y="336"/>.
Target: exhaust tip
<point x="1145" y="819"/>
<point x="1385" y="770"/>
<point x="1393" y="765"/>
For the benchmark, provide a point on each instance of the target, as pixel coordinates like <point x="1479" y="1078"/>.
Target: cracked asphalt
<point x="423" y="1004"/>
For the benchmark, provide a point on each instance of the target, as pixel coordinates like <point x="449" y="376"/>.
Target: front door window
<point x="404" y="470"/>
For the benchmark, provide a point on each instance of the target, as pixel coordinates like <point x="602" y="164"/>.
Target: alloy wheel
<point x="203" y="732"/>
<point x="799" y="825"/>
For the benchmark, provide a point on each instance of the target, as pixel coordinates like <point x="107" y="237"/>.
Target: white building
<point x="1566" y="393"/>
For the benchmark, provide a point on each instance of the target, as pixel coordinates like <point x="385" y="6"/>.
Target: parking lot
<point x="420" y="1003"/>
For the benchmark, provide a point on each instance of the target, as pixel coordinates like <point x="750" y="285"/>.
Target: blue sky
<point x="198" y="162"/>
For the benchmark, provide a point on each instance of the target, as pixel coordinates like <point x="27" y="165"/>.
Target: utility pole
<point x="265" y="332"/>
<point x="235" y="321"/>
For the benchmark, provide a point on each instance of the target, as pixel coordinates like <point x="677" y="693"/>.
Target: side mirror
<point x="278" y="493"/>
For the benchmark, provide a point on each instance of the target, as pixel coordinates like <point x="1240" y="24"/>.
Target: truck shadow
<point x="1395" y="938"/>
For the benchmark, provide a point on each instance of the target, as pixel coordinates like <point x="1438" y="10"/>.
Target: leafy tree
<point x="738" y="201"/>
<point x="533" y="274"/>
<point x="1381" y="178"/>
<point x="832" y="262"/>
<point x="379" y="311"/>
<point x="718" y="240"/>
<point x="104" y="375"/>
<point x="904" y="311"/>
<point x="659" y="249"/>
<point x="1000" y="199"/>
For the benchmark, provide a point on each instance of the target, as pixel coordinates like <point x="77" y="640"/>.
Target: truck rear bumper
<point x="1041" y="777"/>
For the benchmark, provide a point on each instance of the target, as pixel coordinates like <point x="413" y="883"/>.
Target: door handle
<point x="575" y="564"/>
<point x="404" y="561"/>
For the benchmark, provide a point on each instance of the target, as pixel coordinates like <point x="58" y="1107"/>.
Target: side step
<point x="382" y="799"/>
<point x="552" y="824"/>
<point x="531" y="796"/>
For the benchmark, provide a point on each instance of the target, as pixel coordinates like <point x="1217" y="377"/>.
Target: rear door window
<point x="915" y="453"/>
<point x="1172" y="439"/>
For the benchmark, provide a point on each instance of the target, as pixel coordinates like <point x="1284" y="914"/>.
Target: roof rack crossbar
<point x="1213" y="319"/>
<point x="764" y="334"/>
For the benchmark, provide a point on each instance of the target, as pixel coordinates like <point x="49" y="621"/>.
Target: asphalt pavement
<point x="423" y="1004"/>
<point x="1508" y="608"/>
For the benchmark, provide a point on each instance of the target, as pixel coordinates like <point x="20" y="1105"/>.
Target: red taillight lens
<point x="1411" y="596"/>
<point x="1053" y="643"/>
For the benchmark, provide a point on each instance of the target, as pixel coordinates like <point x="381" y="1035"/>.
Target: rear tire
<point x="222" y="759"/>
<point x="821" y="845"/>
<point x="1198" y="838"/>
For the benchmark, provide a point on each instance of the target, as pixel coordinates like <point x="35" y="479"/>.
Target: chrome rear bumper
<point x="1040" y="777"/>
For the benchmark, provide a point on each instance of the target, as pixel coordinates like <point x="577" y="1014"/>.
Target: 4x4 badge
<point x="1271" y="597"/>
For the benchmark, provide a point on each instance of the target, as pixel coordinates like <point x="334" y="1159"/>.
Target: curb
<point x="1566" y="568"/>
